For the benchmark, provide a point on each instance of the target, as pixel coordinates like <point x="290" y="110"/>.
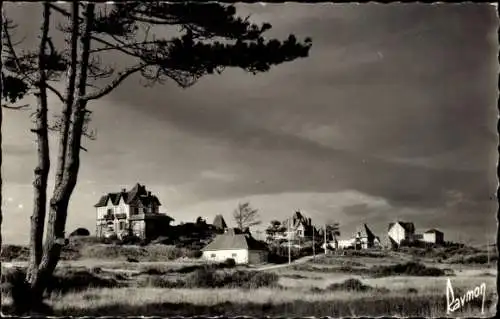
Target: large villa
<point x="134" y="212"/>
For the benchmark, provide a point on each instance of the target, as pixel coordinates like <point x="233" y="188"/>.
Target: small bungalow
<point x="243" y="248"/>
<point x="433" y="236"/>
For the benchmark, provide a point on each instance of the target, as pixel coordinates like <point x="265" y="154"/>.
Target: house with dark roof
<point x="219" y="223"/>
<point x="297" y="227"/>
<point x="241" y="247"/>
<point x="399" y="232"/>
<point x="433" y="236"/>
<point x="133" y="212"/>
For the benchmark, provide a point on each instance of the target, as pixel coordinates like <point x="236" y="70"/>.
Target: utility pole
<point x="488" y="250"/>
<point x="325" y="239"/>
<point x="314" y="248"/>
<point x="289" y="244"/>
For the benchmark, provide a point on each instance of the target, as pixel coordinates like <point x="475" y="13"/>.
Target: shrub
<point x="410" y="269"/>
<point x="14" y="252"/>
<point x="210" y="277"/>
<point x="68" y="280"/>
<point x="230" y="263"/>
<point x="159" y="282"/>
<point x="412" y="291"/>
<point x="80" y="232"/>
<point x="353" y="284"/>
<point x="130" y="240"/>
<point x="259" y="279"/>
<point x="197" y="254"/>
<point x="145" y="253"/>
<point x="476" y="258"/>
<point x="349" y="285"/>
<point x="365" y="253"/>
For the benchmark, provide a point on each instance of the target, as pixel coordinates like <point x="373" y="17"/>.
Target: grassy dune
<point x="258" y="302"/>
<point x="357" y="285"/>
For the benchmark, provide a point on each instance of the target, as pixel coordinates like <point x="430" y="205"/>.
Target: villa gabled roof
<point x="137" y="194"/>
<point x="230" y="240"/>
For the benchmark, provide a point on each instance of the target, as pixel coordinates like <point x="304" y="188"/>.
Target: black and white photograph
<point x="206" y="159"/>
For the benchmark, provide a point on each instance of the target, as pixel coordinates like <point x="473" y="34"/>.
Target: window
<point x="212" y="255"/>
<point x="233" y="255"/>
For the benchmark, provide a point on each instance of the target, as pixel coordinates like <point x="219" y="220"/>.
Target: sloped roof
<point x="137" y="194"/>
<point x="367" y="233"/>
<point x="230" y="240"/>
<point x="408" y="226"/>
<point x="433" y="230"/>
<point x="219" y="222"/>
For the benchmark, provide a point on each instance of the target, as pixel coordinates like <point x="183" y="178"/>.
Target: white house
<point x="433" y="236"/>
<point x="346" y="243"/>
<point x="243" y="248"/>
<point x="400" y="231"/>
<point x="135" y="211"/>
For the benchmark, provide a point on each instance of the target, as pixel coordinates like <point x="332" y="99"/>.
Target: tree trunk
<point x="1" y="120"/>
<point x="58" y="209"/>
<point x="42" y="169"/>
<point x="69" y="94"/>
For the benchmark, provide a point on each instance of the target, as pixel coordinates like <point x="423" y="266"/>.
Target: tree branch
<point x="12" y="51"/>
<point x="56" y="92"/>
<point x="17" y="107"/>
<point x="111" y="86"/>
<point x="93" y="37"/>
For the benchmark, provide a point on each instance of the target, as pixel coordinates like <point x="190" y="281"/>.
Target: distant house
<point x="365" y="239"/>
<point x="400" y="231"/>
<point x="346" y="243"/>
<point x="243" y="248"/>
<point x="134" y="212"/>
<point x="298" y="226"/>
<point x="362" y="239"/>
<point x="219" y="223"/>
<point x="433" y="236"/>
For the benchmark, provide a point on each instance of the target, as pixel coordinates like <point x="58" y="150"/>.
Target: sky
<point x="391" y="117"/>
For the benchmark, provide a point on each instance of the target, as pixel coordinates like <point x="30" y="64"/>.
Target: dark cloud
<point x="395" y="101"/>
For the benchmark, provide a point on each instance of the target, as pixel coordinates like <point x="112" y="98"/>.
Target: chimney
<point x="149" y="194"/>
<point x="124" y="190"/>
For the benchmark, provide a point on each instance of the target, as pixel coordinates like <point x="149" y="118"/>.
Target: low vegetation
<point x="408" y="269"/>
<point x="354" y="285"/>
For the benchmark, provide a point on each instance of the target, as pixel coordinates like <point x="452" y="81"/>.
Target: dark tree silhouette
<point x="80" y="232"/>
<point x="275" y="228"/>
<point x="245" y="216"/>
<point x="211" y="38"/>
